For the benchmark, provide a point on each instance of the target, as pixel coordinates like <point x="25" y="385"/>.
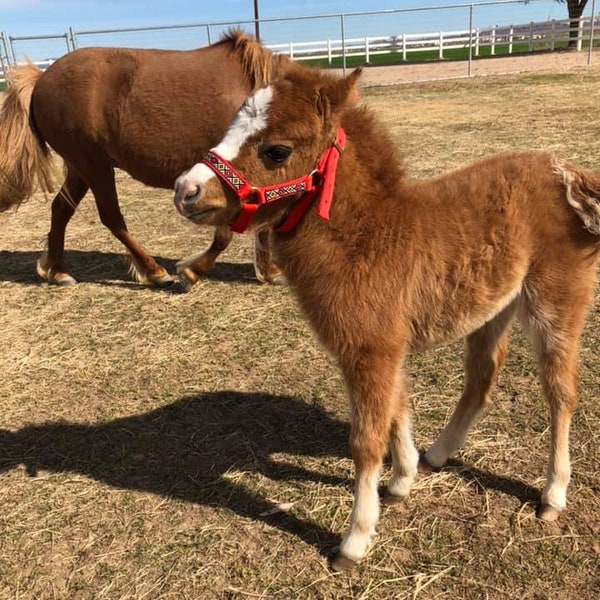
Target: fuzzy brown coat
<point x="405" y="265"/>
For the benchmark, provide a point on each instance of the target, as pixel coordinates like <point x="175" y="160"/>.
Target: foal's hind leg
<point x="559" y="375"/>
<point x="51" y="265"/>
<point x="484" y="356"/>
<point x="556" y="330"/>
<point x="405" y="457"/>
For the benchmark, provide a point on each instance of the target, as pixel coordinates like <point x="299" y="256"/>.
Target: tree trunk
<point x="576" y="8"/>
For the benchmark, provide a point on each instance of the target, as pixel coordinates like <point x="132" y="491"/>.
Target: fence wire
<point x="464" y="32"/>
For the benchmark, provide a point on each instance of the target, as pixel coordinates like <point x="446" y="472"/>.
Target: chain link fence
<point x="460" y="33"/>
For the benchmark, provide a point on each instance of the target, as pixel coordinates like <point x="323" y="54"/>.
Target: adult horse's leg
<point x="102" y="184"/>
<point x="51" y="265"/>
<point x="191" y="269"/>
<point x="372" y="384"/>
<point x="484" y="356"/>
<point x="265" y="269"/>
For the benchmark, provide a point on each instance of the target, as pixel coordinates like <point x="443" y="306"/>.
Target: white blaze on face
<point x="251" y="119"/>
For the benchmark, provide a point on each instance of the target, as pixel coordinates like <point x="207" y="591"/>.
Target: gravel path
<point x="557" y="62"/>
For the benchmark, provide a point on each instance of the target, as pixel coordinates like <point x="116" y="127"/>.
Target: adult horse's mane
<point x="257" y="62"/>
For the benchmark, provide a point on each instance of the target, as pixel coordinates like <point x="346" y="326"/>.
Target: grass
<point x="396" y="58"/>
<point x="145" y="434"/>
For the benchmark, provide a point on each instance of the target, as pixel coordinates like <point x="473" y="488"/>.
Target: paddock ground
<point x="162" y="446"/>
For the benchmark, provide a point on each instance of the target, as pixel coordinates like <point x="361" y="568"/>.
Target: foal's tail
<point x="583" y="193"/>
<point x="24" y="157"/>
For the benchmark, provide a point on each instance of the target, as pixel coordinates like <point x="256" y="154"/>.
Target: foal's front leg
<point x="372" y="384"/>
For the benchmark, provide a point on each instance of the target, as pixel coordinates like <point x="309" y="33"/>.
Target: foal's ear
<point x="352" y="84"/>
<point x="342" y="92"/>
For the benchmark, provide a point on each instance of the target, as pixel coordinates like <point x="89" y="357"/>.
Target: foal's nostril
<point x="190" y="194"/>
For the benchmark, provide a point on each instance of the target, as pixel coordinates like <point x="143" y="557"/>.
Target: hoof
<point x="62" y="279"/>
<point x="163" y="281"/>
<point x="186" y="279"/>
<point x="279" y="280"/>
<point x="424" y="466"/>
<point x="548" y="513"/>
<point x="52" y="277"/>
<point x="183" y="285"/>
<point x="273" y="277"/>
<point x="390" y="500"/>
<point x="342" y="563"/>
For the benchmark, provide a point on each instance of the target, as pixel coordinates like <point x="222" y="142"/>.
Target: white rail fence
<point x="529" y="37"/>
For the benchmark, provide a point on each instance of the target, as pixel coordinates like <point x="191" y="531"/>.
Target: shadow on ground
<point x="184" y="449"/>
<point x="106" y="267"/>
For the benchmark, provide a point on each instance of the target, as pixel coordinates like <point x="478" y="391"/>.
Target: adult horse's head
<point x="279" y="152"/>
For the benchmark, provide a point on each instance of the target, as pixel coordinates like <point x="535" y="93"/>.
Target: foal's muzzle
<point x="187" y="194"/>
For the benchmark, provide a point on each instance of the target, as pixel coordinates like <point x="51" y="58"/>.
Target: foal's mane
<point x="258" y="63"/>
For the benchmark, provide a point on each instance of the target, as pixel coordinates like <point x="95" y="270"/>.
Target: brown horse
<point x="394" y="266"/>
<point x="101" y="108"/>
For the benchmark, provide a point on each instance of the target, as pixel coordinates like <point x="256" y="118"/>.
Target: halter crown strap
<point x="322" y="179"/>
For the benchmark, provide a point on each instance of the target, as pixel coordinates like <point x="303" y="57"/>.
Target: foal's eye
<point x="278" y="153"/>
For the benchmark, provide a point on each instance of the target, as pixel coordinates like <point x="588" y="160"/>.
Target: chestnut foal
<point x="383" y="266"/>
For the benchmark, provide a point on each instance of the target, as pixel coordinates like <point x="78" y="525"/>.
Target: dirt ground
<point x="541" y="62"/>
<point x="162" y="446"/>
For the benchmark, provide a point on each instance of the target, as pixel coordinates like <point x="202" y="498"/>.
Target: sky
<point x="33" y="17"/>
<point x="44" y="17"/>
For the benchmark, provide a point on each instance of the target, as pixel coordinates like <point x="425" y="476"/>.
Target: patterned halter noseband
<point x="321" y="179"/>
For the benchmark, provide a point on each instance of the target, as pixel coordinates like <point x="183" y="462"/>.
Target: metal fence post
<point x="4" y="58"/>
<point x="470" y="40"/>
<point x="592" y="23"/>
<point x="343" y="44"/>
<point x="11" y="46"/>
<point x="73" y="38"/>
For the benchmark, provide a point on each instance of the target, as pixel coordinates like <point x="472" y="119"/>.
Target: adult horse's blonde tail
<point x="25" y="159"/>
<point x="583" y="193"/>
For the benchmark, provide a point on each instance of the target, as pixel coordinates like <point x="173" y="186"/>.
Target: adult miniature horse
<point x="383" y="266"/>
<point x="148" y="112"/>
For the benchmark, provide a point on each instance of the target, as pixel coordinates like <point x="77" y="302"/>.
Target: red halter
<point x="321" y="179"/>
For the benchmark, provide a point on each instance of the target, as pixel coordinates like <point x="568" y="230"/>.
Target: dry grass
<point x="144" y="434"/>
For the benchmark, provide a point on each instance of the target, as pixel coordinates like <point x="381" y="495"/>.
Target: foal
<point x="394" y="266"/>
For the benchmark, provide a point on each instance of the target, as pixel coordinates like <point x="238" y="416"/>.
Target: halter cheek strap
<point x="322" y="180"/>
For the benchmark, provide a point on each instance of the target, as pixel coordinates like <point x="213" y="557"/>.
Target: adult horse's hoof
<point x="186" y="280"/>
<point x="424" y="466"/>
<point x="342" y="563"/>
<point x="53" y="277"/>
<point x="181" y="286"/>
<point x="390" y="500"/>
<point x="63" y="279"/>
<point x="548" y="513"/>
<point x="163" y="281"/>
<point x="279" y="280"/>
<point x="273" y="276"/>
